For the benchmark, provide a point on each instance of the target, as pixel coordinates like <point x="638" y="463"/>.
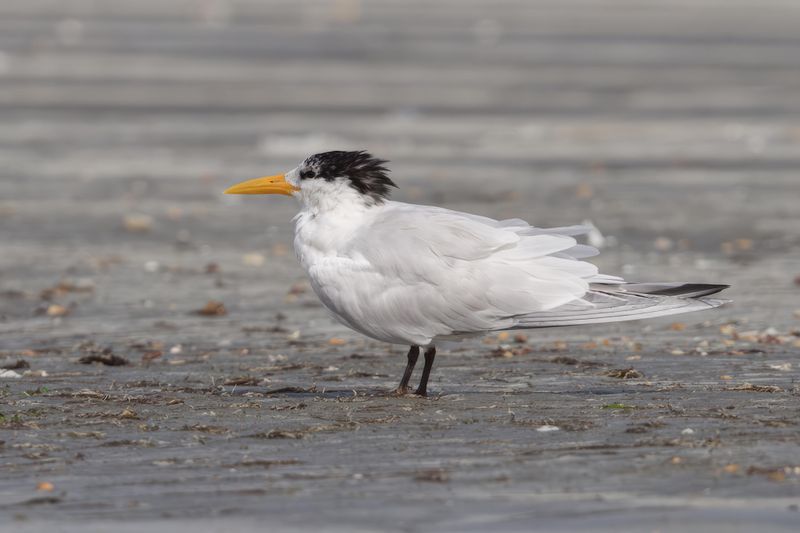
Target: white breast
<point x="348" y="285"/>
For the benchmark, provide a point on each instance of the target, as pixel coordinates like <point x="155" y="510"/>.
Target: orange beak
<point x="267" y="185"/>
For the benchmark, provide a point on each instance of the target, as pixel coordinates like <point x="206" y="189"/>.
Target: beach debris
<point x="253" y="259"/>
<point x="204" y="428"/>
<point x="151" y="355"/>
<point x="732" y="468"/>
<point x="566" y="360"/>
<point x="774" y="474"/>
<point x="663" y="244"/>
<point x="242" y="380"/>
<point x="67" y="286"/>
<point x="433" y="475"/>
<point x="212" y="308"/>
<point x="279" y="250"/>
<point x="137" y="223"/>
<point x="736" y="246"/>
<point x="128" y="413"/>
<point x="508" y="351"/>
<point x="280" y="434"/>
<point x="300" y="287"/>
<point x="56" y="310"/>
<point x="104" y="357"/>
<point x="783" y="367"/>
<point x="19" y="364"/>
<point x="618" y="405"/>
<point x="624" y="373"/>
<point x="584" y="191"/>
<point x="756" y="388"/>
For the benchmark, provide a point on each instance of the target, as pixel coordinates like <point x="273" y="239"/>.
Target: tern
<point x="416" y="275"/>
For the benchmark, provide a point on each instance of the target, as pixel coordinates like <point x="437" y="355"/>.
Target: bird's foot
<point x="400" y="391"/>
<point x="421" y="392"/>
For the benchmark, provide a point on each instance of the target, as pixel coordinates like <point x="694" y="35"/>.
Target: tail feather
<point x="618" y="303"/>
<point x="686" y="290"/>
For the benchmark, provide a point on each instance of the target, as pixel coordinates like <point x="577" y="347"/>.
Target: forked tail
<point x="620" y="302"/>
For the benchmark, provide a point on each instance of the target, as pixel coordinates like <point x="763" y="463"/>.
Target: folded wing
<point x="427" y="272"/>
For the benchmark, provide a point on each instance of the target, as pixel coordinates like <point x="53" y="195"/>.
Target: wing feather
<point x="418" y="273"/>
<point x="435" y="272"/>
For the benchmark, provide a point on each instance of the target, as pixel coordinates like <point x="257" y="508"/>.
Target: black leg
<point x="422" y="390"/>
<point x="413" y="355"/>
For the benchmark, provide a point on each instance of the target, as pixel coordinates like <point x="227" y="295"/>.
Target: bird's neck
<point x="337" y="200"/>
<point x="324" y="229"/>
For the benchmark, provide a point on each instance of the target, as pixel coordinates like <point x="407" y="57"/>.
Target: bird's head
<point x="328" y="177"/>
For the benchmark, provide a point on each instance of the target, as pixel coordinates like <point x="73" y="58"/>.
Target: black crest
<point x="366" y="174"/>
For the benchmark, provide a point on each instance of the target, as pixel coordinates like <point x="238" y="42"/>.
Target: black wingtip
<point x="691" y="290"/>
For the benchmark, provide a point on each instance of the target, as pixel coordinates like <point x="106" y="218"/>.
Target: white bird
<point x="415" y="275"/>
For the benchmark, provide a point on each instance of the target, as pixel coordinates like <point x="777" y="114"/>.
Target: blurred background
<point x="672" y="126"/>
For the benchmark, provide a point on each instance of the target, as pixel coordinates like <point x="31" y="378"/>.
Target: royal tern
<point x="414" y="274"/>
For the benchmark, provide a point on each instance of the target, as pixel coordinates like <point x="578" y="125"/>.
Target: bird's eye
<point x="307" y="174"/>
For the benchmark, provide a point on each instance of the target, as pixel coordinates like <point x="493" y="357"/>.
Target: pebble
<point x="57" y="310"/>
<point x="138" y="223"/>
<point x="663" y="244"/>
<point x="253" y="259"/>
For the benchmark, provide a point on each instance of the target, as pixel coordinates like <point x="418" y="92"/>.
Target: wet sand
<point x="672" y="128"/>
